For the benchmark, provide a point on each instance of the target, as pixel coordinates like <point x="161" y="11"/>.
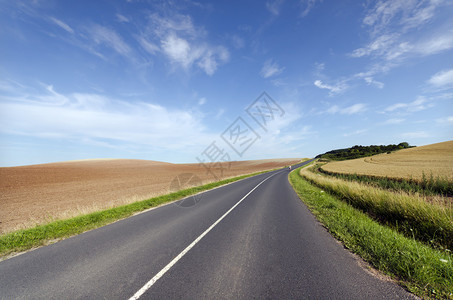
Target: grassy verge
<point x="421" y="269"/>
<point x="428" y="185"/>
<point x="410" y="214"/>
<point x="41" y="235"/>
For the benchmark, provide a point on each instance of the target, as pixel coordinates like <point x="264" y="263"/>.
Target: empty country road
<point x="253" y="238"/>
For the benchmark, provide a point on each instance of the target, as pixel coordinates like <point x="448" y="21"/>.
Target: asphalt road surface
<point x="252" y="239"/>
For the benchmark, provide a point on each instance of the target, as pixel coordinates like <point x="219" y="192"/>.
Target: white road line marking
<point x="156" y="277"/>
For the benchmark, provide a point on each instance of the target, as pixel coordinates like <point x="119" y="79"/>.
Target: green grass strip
<point x="421" y="269"/>
<point x="40" y="235"/>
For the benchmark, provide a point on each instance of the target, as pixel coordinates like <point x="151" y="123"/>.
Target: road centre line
<point x="156" y="277"/>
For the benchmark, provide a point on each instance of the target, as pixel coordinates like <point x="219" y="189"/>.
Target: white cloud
<point x="379" y="45"/>
<point x="307" y="6"/>
<point x="417" y="105"/>
<point x="104" y="36"/>
<point x="100" y="121"/>
<point x="178" y="50"/>
<point x="122" y="18"/>
<point x="274" y="6"/>
<point x="353" y="109"/>
<point x="357" y="132"/>
<point x="333" y="89"/>
<point x="372" y="81"/>
<point x="62" y="24"/>
<point x="270" y="69"/>
<point x="333" y="109"/>
<point x="237" y="41"/>
<point x="405" y="14"/>
<point x="434" y="45"/>
<point x="219" y="113"/>
<point x="178" y="23"/>
<point x="403" y="29"/>
<point x="319" y="68"/>
<point x="393" y="121"/>
<point x="147" y="45"/>
<point x="212" y="57"/>
<point x="81" y="117"/>
<point x="349" y="110"/>
<point x="442" y="78"/>
<point x="447" y="120"/>
<point x="415" y="135"/>
<point x="201" y="101"/>
<point x="182" y="43"/>
<point x="395" y="48"/>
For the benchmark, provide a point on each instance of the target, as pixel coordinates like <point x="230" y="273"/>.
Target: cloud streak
<point x="333" y="89"/>
<point x="274" y="6"/>
<point x="62" y="24"/>
<point x="107" y="37"/>
<point x="417" y="105"/>
<point x="349" y="110"/>
<point x="270" y="68"/>
<point x="442" y="79"/>
<point x="307" y="6"/>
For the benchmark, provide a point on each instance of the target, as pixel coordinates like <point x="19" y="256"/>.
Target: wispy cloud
<point x="237" y="41"/>
<point x="62" y="24"/>
<point x="447" y="120"/>
<point x="356" y="132"/>
<point x="109" y="38"/>
<point x="349" y="110"/>
<point x="274" y="6"/>
<point x="372" y="81"/>
<point x="333" y="89"/>
<point x="442" y="79"/>
<point x="421" y="103"/>
<point x="415" y="135"/>
<point x="270" y="68"/>
<point x="307" y="6"/>
<point x="377" y="46"/>
<point x="393" y="121"/>
<point x="393" y="48"/>
<point x="201" y="101"/>
<point x="400" y="30"/>
<point x="402" y="13"/>
<point x="122" y="18"/>
<point x="81" y="117"/>
<point x="147" y="45"/>
<point x="433" y="45"/>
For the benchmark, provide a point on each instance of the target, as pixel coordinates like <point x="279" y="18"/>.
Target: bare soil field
<point x="36" y="194"/>
<point x="435" y="159"/>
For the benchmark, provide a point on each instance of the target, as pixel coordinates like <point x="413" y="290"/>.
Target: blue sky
<point x="163" y="80"/>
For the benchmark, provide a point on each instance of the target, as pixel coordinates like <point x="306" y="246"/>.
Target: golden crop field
<point x="435" y="159"/>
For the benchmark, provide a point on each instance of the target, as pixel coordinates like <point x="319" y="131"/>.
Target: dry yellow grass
<point x="435" y="159"/>
<point x="397" y="208"/>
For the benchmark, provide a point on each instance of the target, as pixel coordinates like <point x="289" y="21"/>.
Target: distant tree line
<point x="362" y="151"/>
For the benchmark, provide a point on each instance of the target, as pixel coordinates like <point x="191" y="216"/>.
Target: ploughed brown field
<point x="37" y="194"/>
